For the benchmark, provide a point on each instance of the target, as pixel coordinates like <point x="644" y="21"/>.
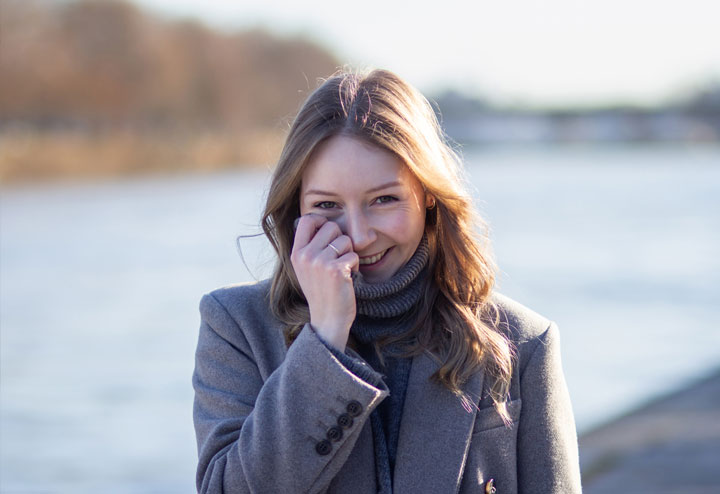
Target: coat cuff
<point x="353" y="363"/>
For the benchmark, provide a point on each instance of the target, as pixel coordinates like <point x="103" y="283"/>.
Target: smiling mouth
<point x="373" y="259"/>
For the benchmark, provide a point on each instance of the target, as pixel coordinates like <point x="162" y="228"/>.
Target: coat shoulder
<point x="244" y="307"/>
<point x="518" y="322"/>
<point x="527" y="330"/>
<point x="242" y="295"/>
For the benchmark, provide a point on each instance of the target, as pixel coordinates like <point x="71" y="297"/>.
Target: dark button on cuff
<point x="334" y="433"/>
<point x="323" y="447"/>
<point x="345" y="421"/>
<point x="354" y="408"/>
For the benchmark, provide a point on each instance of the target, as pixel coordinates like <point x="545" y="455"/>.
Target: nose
<point x="359" y="228"/>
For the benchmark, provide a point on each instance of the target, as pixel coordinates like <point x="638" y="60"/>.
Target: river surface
<point x="100" y="283"/>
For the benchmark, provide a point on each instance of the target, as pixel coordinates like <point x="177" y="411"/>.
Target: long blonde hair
<point x="456" y="321"/>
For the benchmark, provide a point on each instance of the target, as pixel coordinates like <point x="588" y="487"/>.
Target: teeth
<point x="373" y="259"/>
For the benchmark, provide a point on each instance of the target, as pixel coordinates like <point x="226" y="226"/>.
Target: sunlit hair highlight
<point x="456" y="321"/>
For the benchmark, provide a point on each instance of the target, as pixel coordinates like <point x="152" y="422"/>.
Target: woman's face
<point x="372" y="196"/>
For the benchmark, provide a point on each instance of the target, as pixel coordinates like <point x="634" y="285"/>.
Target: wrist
<point x="331" y="335"/>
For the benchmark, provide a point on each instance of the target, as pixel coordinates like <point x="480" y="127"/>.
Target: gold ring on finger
<point x="334" y="248"/>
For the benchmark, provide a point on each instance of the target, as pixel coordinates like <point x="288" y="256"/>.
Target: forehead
<point x="348" y="162"/>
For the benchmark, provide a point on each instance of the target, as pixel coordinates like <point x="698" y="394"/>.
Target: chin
<point x="379" y="277"/>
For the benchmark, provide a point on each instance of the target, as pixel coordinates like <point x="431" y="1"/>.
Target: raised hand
<point x="323" y="260"/>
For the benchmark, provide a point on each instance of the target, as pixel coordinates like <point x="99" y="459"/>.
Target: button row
<point x="335" y="432"/>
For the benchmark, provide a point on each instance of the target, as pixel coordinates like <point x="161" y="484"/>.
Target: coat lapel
<point x="434" y="433"/>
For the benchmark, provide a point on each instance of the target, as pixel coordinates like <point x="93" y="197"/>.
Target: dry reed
<point x="32" y="155"/>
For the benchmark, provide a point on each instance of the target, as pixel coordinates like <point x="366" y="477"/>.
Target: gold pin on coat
<point x="490" y="487"/>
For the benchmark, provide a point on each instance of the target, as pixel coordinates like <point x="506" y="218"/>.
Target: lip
<point x="376" y="263"/>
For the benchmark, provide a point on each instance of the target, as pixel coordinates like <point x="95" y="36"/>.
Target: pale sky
<point x="543" y="52"/>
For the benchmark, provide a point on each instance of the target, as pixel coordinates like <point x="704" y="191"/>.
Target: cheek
<point x="404" y="226"/>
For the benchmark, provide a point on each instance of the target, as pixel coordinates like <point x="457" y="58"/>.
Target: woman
<point x="377" y="358"/>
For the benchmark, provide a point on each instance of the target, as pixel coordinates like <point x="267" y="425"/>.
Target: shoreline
<point x="671" y="444"/>
<point x="41" y="160"/>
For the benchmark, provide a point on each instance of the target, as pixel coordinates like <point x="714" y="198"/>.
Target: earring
<point x="432" y="203"/>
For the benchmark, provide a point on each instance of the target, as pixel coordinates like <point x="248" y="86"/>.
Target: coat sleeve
<point x="547" y="440"/>
<point x="258" y="436"/>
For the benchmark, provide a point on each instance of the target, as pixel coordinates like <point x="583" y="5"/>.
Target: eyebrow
<point x="387" y="185"/>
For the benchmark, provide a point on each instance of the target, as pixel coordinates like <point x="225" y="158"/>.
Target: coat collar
<point x="435" y="431"/>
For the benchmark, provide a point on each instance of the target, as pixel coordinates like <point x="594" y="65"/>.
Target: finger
<point x="350" y="262"/>
<point x="336" y="248"/>
<point x="328" y="232"/>
<point x="308" y="225"/>
<point x="343" y="244"/>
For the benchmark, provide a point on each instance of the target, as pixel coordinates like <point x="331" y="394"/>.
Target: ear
<point x="429" y="201"/>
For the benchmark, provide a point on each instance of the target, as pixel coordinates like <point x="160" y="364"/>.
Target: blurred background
<point x="136" y="140"/>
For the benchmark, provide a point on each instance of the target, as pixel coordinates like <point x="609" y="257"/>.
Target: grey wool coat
<point x="272" y="419"/>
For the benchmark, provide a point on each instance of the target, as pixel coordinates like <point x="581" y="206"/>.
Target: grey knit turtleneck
<point x="391" y="298"/>
<point x="384" y="309"/>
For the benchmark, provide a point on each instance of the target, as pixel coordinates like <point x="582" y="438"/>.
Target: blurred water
<point x="100" y="283"/>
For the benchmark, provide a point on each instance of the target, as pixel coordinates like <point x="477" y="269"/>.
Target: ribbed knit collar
<point x="389" y="299"/>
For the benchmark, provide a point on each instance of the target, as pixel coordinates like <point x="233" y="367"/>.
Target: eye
<point x="325" y="205"/>
<point x="386" y="199"/>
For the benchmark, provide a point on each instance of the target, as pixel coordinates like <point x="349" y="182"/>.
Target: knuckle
<point x="302" y="222"/>
<point x="302" y="256"/>
<point x="309" y="220"/>
<point x="332" y="227"/>
<point x="337" y="273"/>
